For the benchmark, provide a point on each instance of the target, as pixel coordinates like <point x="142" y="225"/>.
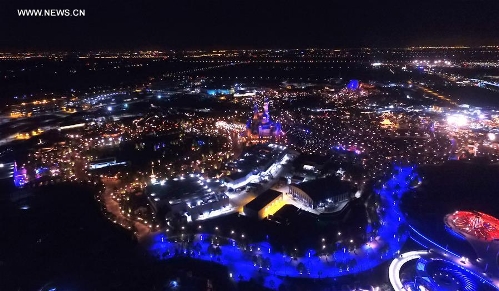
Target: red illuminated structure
<point x="476" y="224"/>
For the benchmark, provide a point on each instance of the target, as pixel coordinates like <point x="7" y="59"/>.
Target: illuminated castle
<point x="20" y="176"/>
<point x="261" y="125"/>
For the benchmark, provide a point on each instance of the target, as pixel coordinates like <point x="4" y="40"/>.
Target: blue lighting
<point x="353" y="85"/>
<point x="455" y="233"/>
<point x="431" y="241"/>
<point x="468" y="279"/>
<point x="242" y="266"/>
<point x="214" y="92"/>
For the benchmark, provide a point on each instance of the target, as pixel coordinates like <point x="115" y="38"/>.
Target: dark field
<point x="64" y="241"/>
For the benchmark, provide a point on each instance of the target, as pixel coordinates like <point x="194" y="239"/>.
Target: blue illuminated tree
<point x="255" y="259"/>
<point x="267" y="263"/>
<point x="402" y="229"/>
<point x="301" y="268"/>
<point x="197" y="247"/>
<point x="211" y="249"/>
<point x="218" y="251"/>
<point x="384" y="249"/>
<point x="352" y="264"/>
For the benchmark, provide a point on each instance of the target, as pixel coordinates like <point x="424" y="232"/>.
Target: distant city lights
<point x="457" y="120"/>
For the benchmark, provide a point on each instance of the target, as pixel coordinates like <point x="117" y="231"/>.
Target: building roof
<point x="262" y="200"/>
<point x="181" y="189"/>
<point x="308" y="159"/>
<point x="320" y="189"/>
<point x="255" y="159"/>
<point x="237" y="175"/>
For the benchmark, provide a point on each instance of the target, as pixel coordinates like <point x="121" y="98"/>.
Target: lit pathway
<point x="112" y="206"/>
<point x="396" y="265"/>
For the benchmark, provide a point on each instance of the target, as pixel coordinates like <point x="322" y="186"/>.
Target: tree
<point x="211" y="249"/>
<point x="259" y="261"/>
<point x="341" y="266"/>
<point x="352" y="264"/>
<point x="266" y="263"/>
<point x="385" y="248"/>
<point x="402" y="229"/>
<point x="301" y="268"/>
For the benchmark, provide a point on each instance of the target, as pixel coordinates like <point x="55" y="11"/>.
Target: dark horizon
<point x="131" y="25"/>
<point x="179" y="50"/>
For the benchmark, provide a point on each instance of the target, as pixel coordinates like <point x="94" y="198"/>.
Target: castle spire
<point x="153" y="177"/>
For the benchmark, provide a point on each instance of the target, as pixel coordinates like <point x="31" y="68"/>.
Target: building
<point x="27" y="109"/>
<point x="261" y="125"/>
<point x="215" y="92"/>
<point x="257" y="163"/>
<point x="328" y="194"/>
<point x="20" y="176"/>
<point x="240" y="179"/>
<point x="103" y="163"/>
<point x="265" y="204"/>
<point x="190" y="196"/>
<point x="307" y="167"/>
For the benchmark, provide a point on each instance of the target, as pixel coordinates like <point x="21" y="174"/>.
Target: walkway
<point x="113" y="207"/>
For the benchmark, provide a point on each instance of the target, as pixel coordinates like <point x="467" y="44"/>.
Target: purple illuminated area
<point x="20" y="177"/>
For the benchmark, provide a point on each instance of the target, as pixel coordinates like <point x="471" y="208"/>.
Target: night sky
<point x="210" y="24"/>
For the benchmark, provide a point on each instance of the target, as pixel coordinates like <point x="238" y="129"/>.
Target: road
<point x="396" y="265"/>
<point x="113" y="207"/>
